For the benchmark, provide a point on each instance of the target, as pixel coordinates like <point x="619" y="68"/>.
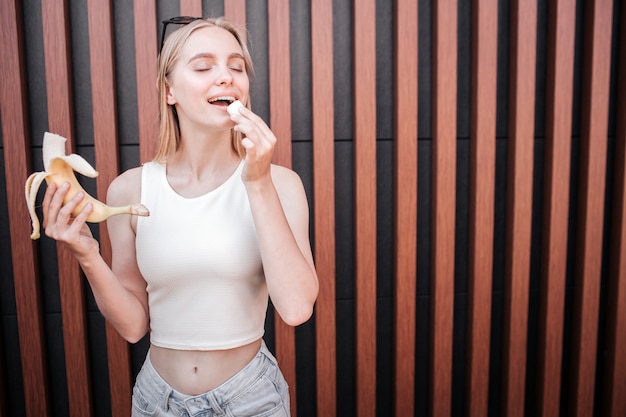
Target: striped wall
<point x="465" y="168"/>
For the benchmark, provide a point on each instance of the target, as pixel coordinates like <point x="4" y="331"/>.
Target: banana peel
<point x="60" y="168"/>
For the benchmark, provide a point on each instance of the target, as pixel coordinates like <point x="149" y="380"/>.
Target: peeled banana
<point x="233" y="108"/>
<point x="58" y="169"/>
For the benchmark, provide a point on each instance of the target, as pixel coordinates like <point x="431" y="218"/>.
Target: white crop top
<point x="201" y="260"/>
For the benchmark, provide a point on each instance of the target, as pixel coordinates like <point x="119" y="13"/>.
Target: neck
<point x="205" y="152"/>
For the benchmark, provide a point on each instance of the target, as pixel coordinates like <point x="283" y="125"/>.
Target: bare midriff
<point x="194" y="372"/>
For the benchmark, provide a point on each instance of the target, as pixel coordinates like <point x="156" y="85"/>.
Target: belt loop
<point x="214" y="404"/>
<point x="165" y="403"/>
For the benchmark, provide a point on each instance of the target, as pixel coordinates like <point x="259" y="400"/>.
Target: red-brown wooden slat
<point x="562" y="18"/>
<point x="55" y="19"/>
<point x="593" y="153"/>
<point x="280" y="122"/>
<point x="519" y="204"/>
<point x="107" y="163"/>
<point x="17" y="161"/>
<point x="191" y="7"/>
<point x="364" y="81"/>
<point x="405" y="227"/>
<point x="279" y="74"/>
<point x="235" y="11"/>
<point x="614" y="381"/>
<point x="518" y="216"/>
<point x="482" y="194"/>
<point x="145" y="72"/>
<point x="324" y="203"/>
<point x="443" y="204"/>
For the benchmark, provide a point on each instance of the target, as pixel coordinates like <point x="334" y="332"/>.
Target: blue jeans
<point x="259" y="389"/>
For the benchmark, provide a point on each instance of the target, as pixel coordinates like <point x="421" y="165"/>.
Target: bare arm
<point x="281" y="216"/>
<point x="280" y="212"/>
<point x="118" y="294"/>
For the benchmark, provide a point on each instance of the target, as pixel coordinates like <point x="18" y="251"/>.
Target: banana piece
<point x="233" y="108"/>
<point x="59" y="168"/>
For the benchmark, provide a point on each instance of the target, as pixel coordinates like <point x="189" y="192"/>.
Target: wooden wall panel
<point x="107" y="163"/>
<point x="17" y="160"/>
<point x="590" y="229"/>
<point x="482" y="205"/>
<point x="463" y="360"/>
<point x="444" y="76"/>
<point x="322" y="82"/>
<point x="519" y="205"/>
<point x="191" y="7"/>
<point x="145" y="67"/>
<point x="613" y="397"/>
<point x="558" y="145"/>
<point x="279" y="76"/>
<point x="364" y="78"/>
<point x="405" y="226"/>
<point x="235" y="10"/>
<point x="60" y="121"/>
<point x="280" y="123"/>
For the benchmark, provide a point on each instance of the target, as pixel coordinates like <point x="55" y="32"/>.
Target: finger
<point x="52" y="188"/>
<point x="65" y="213"/>
<point x="261" y="127"/>
<point x="252" y="122"/>
<point x="248" y="144"/>
<point x="258" y="136"/>
<point x="81" y="219"/>
<point x="53" y="201"/>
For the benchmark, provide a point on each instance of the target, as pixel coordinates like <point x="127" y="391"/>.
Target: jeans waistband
<point x="217" y="397"/>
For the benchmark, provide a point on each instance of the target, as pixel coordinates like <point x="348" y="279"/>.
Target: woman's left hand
<point x="259" y="142"/>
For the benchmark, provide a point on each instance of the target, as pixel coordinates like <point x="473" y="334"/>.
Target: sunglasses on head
<point x="178" y="20"/>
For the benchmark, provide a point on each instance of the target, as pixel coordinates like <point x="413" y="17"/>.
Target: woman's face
<point x="208" y="75"/>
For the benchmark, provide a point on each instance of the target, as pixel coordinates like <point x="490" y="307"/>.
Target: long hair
<point x="169" y="129"/>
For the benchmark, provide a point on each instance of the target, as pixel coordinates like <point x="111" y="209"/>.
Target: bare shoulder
<point x="286" y="179"/>
<point x="290" y="190"/>
<point x="125" y="188"/>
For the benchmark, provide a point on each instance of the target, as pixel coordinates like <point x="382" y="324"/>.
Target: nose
<point x="225" y="77"/>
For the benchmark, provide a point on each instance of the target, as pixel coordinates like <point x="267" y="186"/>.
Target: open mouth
<point x="223" y="101"/>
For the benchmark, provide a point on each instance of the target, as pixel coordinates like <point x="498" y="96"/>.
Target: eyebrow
<point x="234" y="55"/>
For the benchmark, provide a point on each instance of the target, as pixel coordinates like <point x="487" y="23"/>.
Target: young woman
<point x="226" y="230"/>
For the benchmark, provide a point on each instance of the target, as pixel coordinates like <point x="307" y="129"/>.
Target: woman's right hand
<point x="59" y="223"/>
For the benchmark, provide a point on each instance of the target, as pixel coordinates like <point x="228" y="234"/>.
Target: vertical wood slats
<point x="443" y="204"/>
<point x="614" y="398"/>
<point x="146" y="65"/>
<point x="324" y="203"/>
<point x="191" y="7"/>
<point x="519" y="204"/>
<point x="17" y="160"/>
<point x="519" y="217"/>
<point x="364" y="84"/>
<point x="556" y="203"/>
<point x="279" y="76"/>
<point x="59" y="93"/>
<point x="593" y="153"/>
<point x="405" y="49"/>
<point x="482" y="194"/>
<point x="280" y="123"/>
<point x="235" y="11"/>
<point x="107" y="163"/>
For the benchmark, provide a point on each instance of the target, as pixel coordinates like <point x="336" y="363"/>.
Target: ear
<point x="169" y="97"/>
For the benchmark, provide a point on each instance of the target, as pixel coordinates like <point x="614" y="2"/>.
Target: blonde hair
<point x="169" y="129"/>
